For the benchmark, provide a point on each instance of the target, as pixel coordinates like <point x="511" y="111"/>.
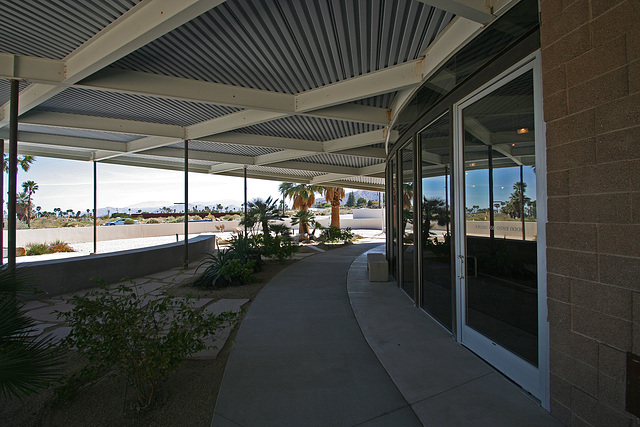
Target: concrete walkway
<point x="301" y="358"/>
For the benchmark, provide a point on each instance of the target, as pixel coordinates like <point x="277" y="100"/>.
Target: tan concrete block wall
<point x="591" y="87"/>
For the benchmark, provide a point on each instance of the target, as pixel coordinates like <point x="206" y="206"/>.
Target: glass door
<point x="497" y="248"/>
<point x="437" y="278"/>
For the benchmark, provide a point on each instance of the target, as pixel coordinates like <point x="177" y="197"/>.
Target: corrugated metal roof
<point x="365" y="180"/>
<point x="290" y="45"/>
<point x="341" y="160"/>
<point x="133" y="107"/>
<point x="53" y="29"/>
<point x="283" y="171"/>
<point x="310" y="128"/>
<point x="381" y="101"/>
<point x="219" y="147"/>
<point x="80" y="133"/>
<point x="5" y="89"/>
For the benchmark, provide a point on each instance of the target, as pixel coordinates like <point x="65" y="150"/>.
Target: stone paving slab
<point x="39" y="328"/>
<point x="47" y="314"/>
<point x="58" y="334"/>
<point x="215" y="344"/>
<point x="30" y="305"/>
<point x="224" y="305"/>
<point x="163" y="274"/>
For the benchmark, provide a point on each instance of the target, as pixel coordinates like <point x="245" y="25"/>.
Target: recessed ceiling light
<point x="522" y="130"/>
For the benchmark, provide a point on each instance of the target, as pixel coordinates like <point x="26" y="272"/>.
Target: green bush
<point x="152" y="221"/>
<point x="27" y="362"/>
<point x="60" y="246"/>
<point x="279" y="247"/>
<point x="37" y="249"/>
<point x="118" y="330"/>
<point x="48" y="248"/>
<point x="129" y="221"/>
<point x="336" y="235"/>
<point x="246" y="248"/>
<point x="223" y="269"/>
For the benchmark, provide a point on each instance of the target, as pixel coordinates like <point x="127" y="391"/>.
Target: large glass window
<point x="437" y="281"/>
<point x="408" y="252"/>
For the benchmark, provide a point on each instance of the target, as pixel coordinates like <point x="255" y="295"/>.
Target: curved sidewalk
<point x="300" y="358"/>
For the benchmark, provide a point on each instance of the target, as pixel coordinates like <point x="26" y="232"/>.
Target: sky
<point x="68" y="184"/>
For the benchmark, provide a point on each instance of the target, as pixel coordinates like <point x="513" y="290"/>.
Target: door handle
<point x="461" y="269"/>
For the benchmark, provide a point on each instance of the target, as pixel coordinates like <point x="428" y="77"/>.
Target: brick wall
<point x="591" y="77"/>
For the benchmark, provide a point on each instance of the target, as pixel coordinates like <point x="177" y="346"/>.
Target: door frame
<point x="534" y="380"/>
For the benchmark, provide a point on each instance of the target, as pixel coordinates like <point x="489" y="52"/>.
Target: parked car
<point x="116" y="222"/>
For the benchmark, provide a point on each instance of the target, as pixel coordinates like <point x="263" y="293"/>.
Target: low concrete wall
<point x="367" y="213"/>
<point x="115" y="232"/>
<point x="66" y="275"/>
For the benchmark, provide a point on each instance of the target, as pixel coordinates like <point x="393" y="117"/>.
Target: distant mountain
<point x="156" y="206"/>
<point x="367" y="195"/>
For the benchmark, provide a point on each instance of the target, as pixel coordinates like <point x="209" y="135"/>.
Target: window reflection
<point x="500" y="216"/>
<point x="436" y="221"/>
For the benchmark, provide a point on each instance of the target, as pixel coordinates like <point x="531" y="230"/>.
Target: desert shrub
<point x="246" y="248"/>
<point x="152" y="221"/>
<point x="21" y="225"/>
<point x="48" y="248"/>
<point x="280" y="230"/>
<point x="27" y="362"/>
<point x="170" y="219"/>
<point x="129" y="221"/>
<point x="60" y="246"/>
<point x="279" y="247"/>
<point x="37" y="249"/>
<point x="336" y="235"/>
<point x="223" y="269"/>
<point x="117" y="330"/>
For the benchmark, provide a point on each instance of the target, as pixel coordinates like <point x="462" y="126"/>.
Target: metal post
<point x="491" y="215"/>
<point x="13" y="172"/>
<point x="95" y="208"/>
<point x="186" y="203"/>
<point x="522" y="201"/>
<point x="2" y="204"/>
<point x="245" y="201"/>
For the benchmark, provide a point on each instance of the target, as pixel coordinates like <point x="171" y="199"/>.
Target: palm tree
<point x="29" y="187"/>
<point x="334" y="195"/>
<point x="27" y="363"/>
<point x="303" y="196"/>
<point x="304" y="219"/>
<point x="262" y="211"/>
<point x="22" y="205"/>
<point x="23" y="161"/>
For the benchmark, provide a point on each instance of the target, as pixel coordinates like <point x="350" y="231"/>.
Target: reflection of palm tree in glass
<point x="517" y="200"/>
<point x="407" y="204"/>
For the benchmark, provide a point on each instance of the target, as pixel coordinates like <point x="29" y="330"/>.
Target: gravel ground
<point x="126" y="244"/>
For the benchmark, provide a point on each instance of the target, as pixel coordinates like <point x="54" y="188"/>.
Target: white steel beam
<point x="38" y="70"/>
<point x="354" y="113"/>
<point x="367" y="85"/>
<point x="140" y="25"/>
<point x="476" y="10"/>
<point x="264" y="141"/>
<point x="149" y="84"/>
<point x="365" y="171"/>
<point x="106" y="124"/>
<point x="196" y="155"/>
<point x="316" y="167"/>
<point x="66" y="141"/>
<point x="356" y="141"/>
<point x="230" y="122"/>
